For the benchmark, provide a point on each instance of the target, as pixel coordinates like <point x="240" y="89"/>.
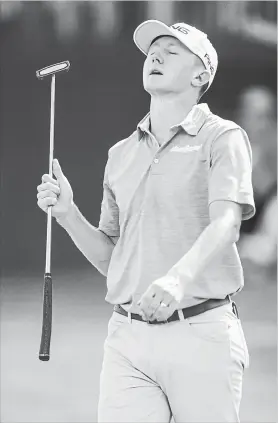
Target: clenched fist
<point x="161" y="299"/>
<point x="55" y="193"/>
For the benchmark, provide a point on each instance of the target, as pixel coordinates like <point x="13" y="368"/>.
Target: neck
<point x="166" y="112"/>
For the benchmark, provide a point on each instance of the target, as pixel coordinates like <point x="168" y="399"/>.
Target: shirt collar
<point x="191" y="124"/>
<point x="144" y="126"/>
<point x="195" y="118"/>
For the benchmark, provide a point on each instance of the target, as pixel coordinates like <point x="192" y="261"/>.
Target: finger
<point x="142" y="314"/>
<point x="163" y="313"/>
<point x="44" y="203"/>
<point x="167" y="307"/>
<point x="150" y="302"/>
<point x="153" y="306"/>
<point x="158" y="296"/>
<point x="47" y="178"/>
<point x="145" y="299"/>
<point x="48" y="186"/>
<point x="151" y="314"/>
<point x="152" y="294"/>
<point x="167" y="299"/>
<point x="46" y="193"/>
<point x="57" y="170"/>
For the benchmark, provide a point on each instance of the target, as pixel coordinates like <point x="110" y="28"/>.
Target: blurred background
<point x="99" y="102"/>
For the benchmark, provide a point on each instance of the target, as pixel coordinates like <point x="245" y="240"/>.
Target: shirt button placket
<point x="156" y="161"/>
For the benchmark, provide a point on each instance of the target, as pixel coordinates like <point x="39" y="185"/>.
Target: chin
<point x="156" y="88"/>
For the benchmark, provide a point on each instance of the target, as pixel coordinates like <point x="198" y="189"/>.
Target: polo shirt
<point x="156" y="204"/>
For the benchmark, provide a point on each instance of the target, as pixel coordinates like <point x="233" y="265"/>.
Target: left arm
<point x="223" y="230"/>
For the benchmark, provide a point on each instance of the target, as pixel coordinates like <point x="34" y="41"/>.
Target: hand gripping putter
<point x="44" y="353"/>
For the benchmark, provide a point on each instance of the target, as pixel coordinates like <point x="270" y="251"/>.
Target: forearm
<point x="93" y="243"/>
<point x="213" y="240"/>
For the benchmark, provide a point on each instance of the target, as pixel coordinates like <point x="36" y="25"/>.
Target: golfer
<point x="174" y="195"/>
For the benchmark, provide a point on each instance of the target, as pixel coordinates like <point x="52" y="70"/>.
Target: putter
<point x="44" y="352"/>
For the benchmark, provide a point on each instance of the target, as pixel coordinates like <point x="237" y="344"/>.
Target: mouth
<point x="156" y="72"/>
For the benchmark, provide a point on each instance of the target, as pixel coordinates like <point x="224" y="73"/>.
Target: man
<point x="256" y="113"/>
<point x="175" y="192"/>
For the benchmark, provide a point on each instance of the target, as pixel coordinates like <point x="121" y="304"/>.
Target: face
<point x="169" y="67"/>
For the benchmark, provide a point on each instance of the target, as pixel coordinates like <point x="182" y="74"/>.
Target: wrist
<point x="181" y="272"/>
<point x="68" y="217"/>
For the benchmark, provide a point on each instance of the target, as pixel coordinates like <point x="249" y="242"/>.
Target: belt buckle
<point x="156" y="322"/>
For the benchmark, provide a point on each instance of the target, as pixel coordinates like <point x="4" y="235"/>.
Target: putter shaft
<point x="51" y="152"/>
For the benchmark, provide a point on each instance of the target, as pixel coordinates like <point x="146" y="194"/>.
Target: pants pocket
<point x="243" y="345"/>
<point x="238" y="347"/>
<point x="116" y="321"/>
<point x="212" y="331"/>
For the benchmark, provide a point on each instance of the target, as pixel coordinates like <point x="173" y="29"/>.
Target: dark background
<point x="99" y="102"/>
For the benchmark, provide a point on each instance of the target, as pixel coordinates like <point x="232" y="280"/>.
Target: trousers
<point x="189" y="370"/>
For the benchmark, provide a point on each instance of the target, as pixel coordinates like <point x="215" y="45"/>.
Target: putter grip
<point x="44" y="353"/>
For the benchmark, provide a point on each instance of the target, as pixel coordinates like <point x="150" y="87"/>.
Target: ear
<point x="201" y="78"/>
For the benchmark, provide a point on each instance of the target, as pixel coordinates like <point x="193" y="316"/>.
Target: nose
<point x="157" y="58"/>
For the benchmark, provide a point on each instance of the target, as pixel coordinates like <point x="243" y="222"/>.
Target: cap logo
<point x="209" y="63"/>
<point x="180" y="28"/>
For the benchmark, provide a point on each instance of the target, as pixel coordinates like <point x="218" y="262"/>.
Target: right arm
<point x="96" y="244"/>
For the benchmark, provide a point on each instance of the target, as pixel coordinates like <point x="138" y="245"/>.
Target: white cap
<point x="196" y="40"/>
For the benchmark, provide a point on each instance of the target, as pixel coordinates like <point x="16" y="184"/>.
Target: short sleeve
<point x="109" y="217"/>
<point x="230" y="174"/>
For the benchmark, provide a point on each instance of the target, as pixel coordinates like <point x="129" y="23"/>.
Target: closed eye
<point x="172" y="52"/>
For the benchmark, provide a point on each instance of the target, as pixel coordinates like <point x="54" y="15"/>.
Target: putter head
<point x="52" y="69"/>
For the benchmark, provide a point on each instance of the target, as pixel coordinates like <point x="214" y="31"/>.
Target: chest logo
<point x="185" y="148"/>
